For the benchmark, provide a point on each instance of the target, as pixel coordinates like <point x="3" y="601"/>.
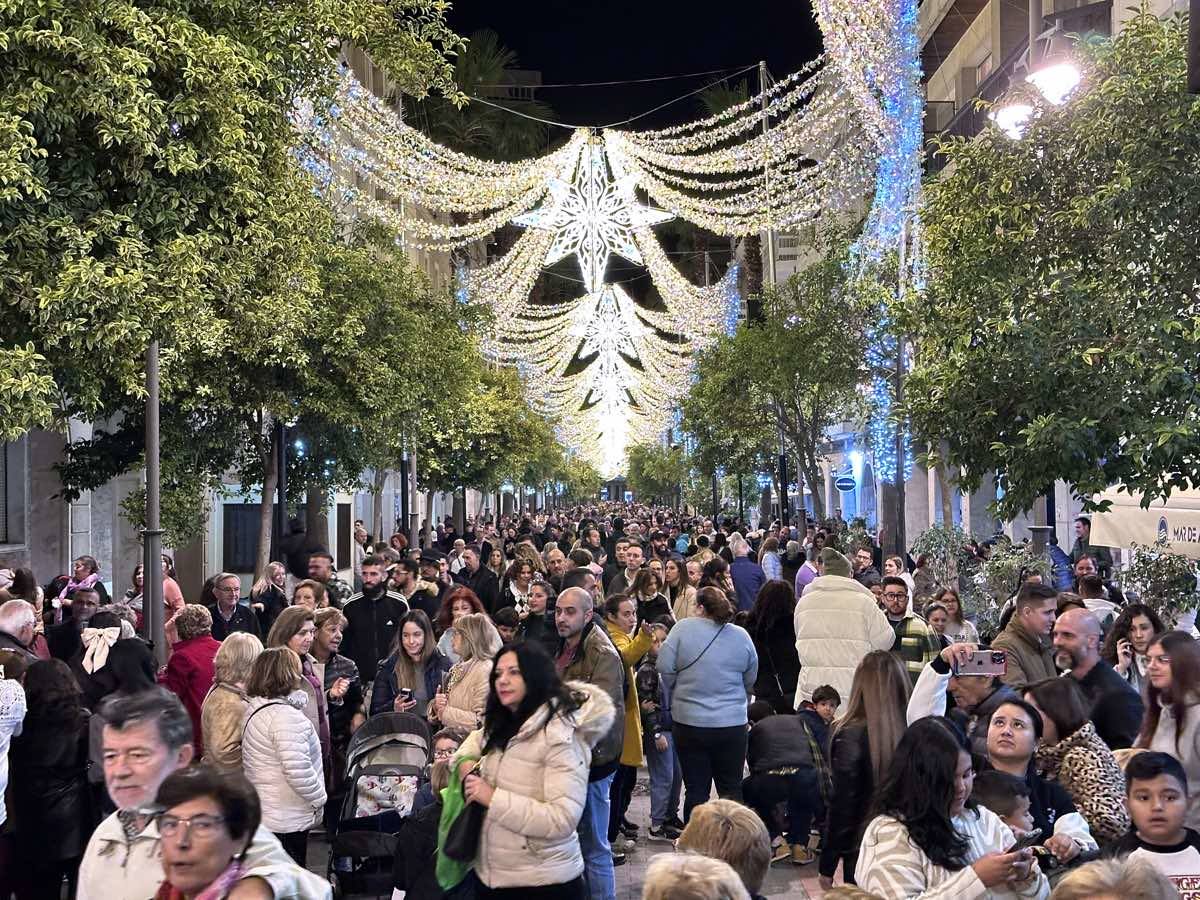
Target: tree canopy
<point x="1059" y="337"/>
<point x="795" y="371"/>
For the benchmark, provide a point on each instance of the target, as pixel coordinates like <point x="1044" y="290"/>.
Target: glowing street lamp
<point x="1012" y="118"/>
<point x="1055" y="76"/>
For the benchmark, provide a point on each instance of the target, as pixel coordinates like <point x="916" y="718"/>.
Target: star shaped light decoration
<point x="593" y="216"/>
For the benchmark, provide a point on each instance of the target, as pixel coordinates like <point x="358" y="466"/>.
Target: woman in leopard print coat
<point x="1073" y="754"/>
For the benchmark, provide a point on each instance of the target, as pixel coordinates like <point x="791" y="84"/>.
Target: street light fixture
<point x="1011" y="118"/>
<point x="1055" y="75"/>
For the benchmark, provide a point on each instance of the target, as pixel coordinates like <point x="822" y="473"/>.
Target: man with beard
<point x="65" y="640"/>
<point x="1116" y="708"/>
<point x="372" y="617"/>
<point x="405" y="580"/>
<point x="480" y="579"/>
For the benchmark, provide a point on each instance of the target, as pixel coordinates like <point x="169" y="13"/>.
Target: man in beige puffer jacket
<point x="838" y="622"/>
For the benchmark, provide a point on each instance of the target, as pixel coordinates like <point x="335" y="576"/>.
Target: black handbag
<point x="462" y="840"/>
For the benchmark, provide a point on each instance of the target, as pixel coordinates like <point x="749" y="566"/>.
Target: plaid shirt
<point x="916" y="644"/>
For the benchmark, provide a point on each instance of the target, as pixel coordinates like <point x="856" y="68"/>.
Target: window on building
<point x="239" y="547"/>
<point x="983" y="70"/>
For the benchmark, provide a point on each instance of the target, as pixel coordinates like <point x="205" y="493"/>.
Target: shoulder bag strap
<point x="702" y="652"/>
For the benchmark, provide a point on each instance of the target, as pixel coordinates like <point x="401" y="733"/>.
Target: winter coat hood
<point x="591" y="720"/>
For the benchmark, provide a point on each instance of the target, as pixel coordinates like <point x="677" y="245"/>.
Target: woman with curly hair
<point x="929" y="839"/>
<point x="1127" y="647"/>
<point x="458" y="602"/>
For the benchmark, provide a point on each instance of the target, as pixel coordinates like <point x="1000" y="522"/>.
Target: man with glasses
<point x="146" y="737"/>
<point x="229" y="616"/>
<point x="916" y="643"/>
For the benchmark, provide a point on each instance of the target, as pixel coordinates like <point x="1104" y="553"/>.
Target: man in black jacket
<point x="480" y="579"/>
<point x="1116" y="708"/>
<point x="228" y="615"/>
<point x="372" y="617"/>
<point x="786" y="765"/>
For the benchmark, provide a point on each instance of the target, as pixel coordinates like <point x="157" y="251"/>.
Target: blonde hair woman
<point x="687" y="876"/>
<point x="734" y="834"/>
<point x="296" y="628"/>
<point x="225" y="705"/>
<point x="459" y="702"/>
<point x="281" y="755"/>
<point x="268" y="595"/>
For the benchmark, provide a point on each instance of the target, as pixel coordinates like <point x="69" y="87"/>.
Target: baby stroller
<point x="386" y="764"/>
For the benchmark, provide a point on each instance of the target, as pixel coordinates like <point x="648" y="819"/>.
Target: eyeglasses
<point x="443" y="754"/>
<point x="202" y="826"/>
<point x="893" y="595"/>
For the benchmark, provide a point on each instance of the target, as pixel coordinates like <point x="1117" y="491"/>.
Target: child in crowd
<point x="819" y="713"/>
<point x="507" y="622"/>
<point x="666" y="776"/>
<point x="1007" y="796"/>
<point x="1157" y="795"/>
<point x="445" y="743"/>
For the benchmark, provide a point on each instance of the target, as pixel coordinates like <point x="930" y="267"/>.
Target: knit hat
<point x="835" y="563"/>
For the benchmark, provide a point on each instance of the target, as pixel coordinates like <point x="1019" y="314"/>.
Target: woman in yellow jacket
<point x="620" y="620"/>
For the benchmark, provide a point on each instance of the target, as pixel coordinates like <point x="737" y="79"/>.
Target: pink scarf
<point x="219" y="888"/>
<point x="72" y="585"/>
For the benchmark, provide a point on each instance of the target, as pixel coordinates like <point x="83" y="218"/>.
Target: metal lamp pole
<point x="1193" y="76"/>
<point x="152" y="581"/>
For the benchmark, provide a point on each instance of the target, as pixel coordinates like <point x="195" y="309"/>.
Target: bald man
<point x="1116" y="708"/>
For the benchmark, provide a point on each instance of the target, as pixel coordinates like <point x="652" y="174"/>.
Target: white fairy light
<point x="593" y="217"/>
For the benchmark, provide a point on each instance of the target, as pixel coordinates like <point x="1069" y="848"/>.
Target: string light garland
<point x="607" y="369"/>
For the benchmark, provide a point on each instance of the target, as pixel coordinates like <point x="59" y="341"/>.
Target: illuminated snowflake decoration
<point x="593" y="217"/>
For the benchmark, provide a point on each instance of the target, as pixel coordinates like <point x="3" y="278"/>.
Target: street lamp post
<point x="152" y="579"/>
<point x="1193" y="76"/>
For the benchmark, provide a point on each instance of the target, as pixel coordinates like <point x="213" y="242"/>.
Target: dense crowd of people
<point x="841" y="705"/>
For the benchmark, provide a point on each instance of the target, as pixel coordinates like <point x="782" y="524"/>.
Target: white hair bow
<point x="98" y="641"/>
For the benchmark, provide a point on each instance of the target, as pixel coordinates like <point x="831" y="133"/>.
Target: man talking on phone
<point x="976" y="694"/>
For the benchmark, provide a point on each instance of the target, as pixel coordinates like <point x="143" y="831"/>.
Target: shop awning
<point x="1176" y="520"/>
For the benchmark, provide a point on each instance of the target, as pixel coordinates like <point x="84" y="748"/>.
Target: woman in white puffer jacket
<point x="281" y="754"/>
<point x="535" y="748"/>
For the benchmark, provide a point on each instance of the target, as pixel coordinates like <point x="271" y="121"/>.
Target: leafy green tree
<point x="147" y="183"/>
<point x="1059" y="336"/>
<point x="477" y="128"/>
<point x="656" y="472"/>
<point x="797" y="371"/>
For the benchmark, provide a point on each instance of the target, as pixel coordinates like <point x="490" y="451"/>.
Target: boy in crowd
<point x="1007" y="796"/>
<point x="819" y="713"/>
<point x="1157" y="796"/>
<point x="507" y="622"/>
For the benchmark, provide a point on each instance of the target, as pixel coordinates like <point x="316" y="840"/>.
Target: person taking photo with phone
<point x="977" y="692"/>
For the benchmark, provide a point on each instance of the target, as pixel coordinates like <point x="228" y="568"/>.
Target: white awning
<point x="1176" y="520"/>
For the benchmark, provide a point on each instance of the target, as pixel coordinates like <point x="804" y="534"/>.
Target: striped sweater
<point x="893" y="866"/>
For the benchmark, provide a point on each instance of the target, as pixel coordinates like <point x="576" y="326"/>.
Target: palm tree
<point x="714" y="99"/>
<point x="478" y="128"/>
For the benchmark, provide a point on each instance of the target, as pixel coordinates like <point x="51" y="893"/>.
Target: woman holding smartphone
<point x="410" y="677"/>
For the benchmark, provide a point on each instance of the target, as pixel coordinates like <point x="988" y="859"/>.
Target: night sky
<point x="584" y="41"/>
